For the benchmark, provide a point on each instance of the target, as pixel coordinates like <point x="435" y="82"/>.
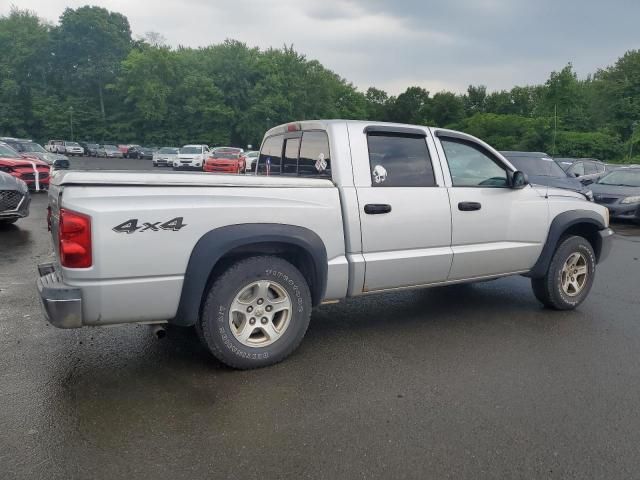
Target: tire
<point x="226" y="327"/>
<point x="556" y="290"/>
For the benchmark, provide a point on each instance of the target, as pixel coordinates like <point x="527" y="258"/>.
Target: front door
<point x="495" y="229"/>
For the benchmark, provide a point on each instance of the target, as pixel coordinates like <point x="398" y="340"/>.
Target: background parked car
<point x="543" y="170"/>
<point x="29" y="148"/>
<point x="73" y="148"/>
<point x="55" y="146"/>
<point x="35" y="173"/>
<point x="91" y="149"/>
<point x="587" y="170"/>
<point x="250" y="159"/>
<point x="109" y="151"/>
<point x="14" y="199"/>
<point x="165" y="156"/>
<point x="225" y="160"/>
<point x="136" y="151"/>
<point x="619" y="191"/>
<point x="191" y="157"/>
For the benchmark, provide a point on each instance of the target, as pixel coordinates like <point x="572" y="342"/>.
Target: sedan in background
<point x="14" y="199"/>
<point x="31" y="149"/>
<point x="543" y="170"/>
<point x="225" y="160"/>
<point x="109" y="151"/>
<point x="33" y="172"/>
<point x="587" y="170"/>
<point x="165" y="157"/>
<point x="619" y="191"/>
<point x="145" y="153"/>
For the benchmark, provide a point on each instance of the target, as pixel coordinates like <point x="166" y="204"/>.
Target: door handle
<point x="469" y="206"/>
<point x="376" y="208"/>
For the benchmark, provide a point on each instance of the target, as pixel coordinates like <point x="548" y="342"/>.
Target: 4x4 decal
<point x="131" y="226"/>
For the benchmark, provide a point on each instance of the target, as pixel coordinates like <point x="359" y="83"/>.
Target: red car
<point x="225" y="160"/>
<point x="34" y="172"/>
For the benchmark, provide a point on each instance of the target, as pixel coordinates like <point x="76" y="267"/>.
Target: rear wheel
<point x="569" y="277"/>
<point x="256" y="313"/>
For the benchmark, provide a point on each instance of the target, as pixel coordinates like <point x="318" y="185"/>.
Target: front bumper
<point x="606" y="241"/>
<point x="21" y="211"/>
<point x="622" y="211"/>
<point x="61" y="303"/>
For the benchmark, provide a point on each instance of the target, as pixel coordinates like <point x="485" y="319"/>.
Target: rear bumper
<point x="61" y="303"/>
<point x="606" y="241"/>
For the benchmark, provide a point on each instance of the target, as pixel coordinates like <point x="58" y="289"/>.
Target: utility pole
<point x="71" y="121"/>
<point x="555" y="127"/>
<point x="634" y="125"/>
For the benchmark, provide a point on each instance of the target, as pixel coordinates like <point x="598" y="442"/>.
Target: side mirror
<point x="587" y="181"/>
<point x="576" y="174"/>
<point x="519" y="179"/>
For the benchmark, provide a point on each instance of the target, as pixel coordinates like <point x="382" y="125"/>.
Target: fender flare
<point x="215" y="244"/>
<point x="558" y="227"/>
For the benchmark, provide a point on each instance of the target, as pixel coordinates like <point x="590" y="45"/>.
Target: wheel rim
<point x="260" y="313"/>
<point x="574" y="274"/>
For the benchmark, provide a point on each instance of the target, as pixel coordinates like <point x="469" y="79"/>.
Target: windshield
<point x="73" y="144"/>
<point x="169" y="150"/>
<point x="32" y="147"/>
<point x="226" y="154"/>
<point x="110" y="147"/>
<point x="622" y="177"/>
<point x="539" y="166"/>
<point x="8" y="152"/>
<point x="191" y="150"/>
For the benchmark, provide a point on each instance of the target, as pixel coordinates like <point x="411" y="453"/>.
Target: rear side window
<point x="399" y="160"/>
<point x="270" y="160"/>
<point x="590" y="168"/>
<point x="305" y="156"/>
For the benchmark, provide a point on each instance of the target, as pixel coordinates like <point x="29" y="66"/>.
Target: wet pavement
<point x="463" y="382"/>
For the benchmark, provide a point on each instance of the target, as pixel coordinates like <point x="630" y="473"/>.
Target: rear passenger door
<point x="404" y="207"/>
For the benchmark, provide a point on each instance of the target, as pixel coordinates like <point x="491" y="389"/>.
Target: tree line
<point x="87" y="77"/>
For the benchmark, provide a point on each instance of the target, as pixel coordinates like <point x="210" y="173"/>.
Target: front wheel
<point x="569" y="277"/>
<point x="256" y="313"/>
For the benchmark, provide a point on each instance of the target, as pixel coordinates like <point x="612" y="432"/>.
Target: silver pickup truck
<point x="335" y="209"/>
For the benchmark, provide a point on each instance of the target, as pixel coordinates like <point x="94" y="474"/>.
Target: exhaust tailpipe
<point x="159" y="331"/>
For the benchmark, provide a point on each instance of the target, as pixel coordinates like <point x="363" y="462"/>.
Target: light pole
<point x="71" y="121"/>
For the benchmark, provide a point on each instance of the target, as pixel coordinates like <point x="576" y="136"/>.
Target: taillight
<point x="74" y="235"/>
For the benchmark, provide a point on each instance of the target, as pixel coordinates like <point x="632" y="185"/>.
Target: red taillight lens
<point x="74" y="235"/>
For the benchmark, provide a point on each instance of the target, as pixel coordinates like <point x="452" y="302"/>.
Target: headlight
<point x="634" y="199"/>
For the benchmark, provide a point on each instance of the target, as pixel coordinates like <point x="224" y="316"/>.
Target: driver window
<point x="471" y="167"/>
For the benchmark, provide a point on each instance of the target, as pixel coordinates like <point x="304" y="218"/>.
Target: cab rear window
<point x="305" y="154"/>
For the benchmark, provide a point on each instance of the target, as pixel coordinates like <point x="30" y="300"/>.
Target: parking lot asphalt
<point x="457" y="382"/>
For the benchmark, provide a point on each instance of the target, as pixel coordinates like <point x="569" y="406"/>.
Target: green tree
<point x="89" y="46"/>
<point x="445" y="108"/>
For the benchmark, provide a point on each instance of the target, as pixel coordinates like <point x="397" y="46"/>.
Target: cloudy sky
<point x="393" y="44"/>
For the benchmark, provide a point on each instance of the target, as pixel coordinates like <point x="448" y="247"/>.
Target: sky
<point x="438" y="45"/>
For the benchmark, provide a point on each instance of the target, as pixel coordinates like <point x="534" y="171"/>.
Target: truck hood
<point x="198" y="179"/>
<point x="557" y="182"/>
<point x="22" y="162"/>
<point x="558" y="192"/>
